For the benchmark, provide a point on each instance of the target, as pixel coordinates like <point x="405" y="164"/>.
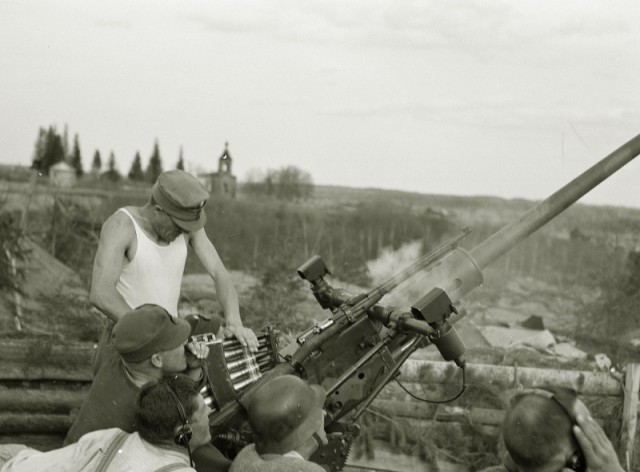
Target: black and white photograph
<point x="319" y="236"/>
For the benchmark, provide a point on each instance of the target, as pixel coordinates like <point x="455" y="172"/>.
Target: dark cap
<point x="182" y="197"/>
<point x="284" y="412"/>
<point x="148" y="329"/>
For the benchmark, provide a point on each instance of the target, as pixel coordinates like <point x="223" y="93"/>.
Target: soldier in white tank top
<point x="154" y="275"/>
<point x="141" y="256"/>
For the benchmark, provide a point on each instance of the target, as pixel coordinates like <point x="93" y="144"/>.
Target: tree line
<point x="52" y="147"/>
<point x="286" y="183"/>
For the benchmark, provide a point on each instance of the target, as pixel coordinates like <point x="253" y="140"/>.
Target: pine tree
<point x="39" y="149"/>
<point x="112" y="173"/>
<point x="154" y="169"/>
<point x="112" y="162"/>
<point x="180" y="164"/>
<point x="65" y="142"/>
<point x="76" y="157"/>
<point x="96" y="165"/>
<point x="48" y="150"/>
<point x="135" y="173"/>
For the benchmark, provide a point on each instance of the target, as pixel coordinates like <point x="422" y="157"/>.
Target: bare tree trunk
<point x="54" y="217"/>
<point x="17" y="298"/>
<point x="24" y="218"/>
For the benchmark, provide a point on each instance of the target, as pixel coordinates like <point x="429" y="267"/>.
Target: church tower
<point x="223" y="182"/>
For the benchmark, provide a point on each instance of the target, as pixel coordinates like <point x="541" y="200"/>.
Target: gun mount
<point x="359" y="349"/>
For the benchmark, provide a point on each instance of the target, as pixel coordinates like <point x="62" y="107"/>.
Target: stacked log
<point x="42" y="386"/>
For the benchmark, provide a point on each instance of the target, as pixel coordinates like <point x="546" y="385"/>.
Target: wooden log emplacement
<point x="45" y="360"/>
<point x="630" y="414"/>
<point x="52" y="352"/>
<point x="402" y="408"/>
<point x="54" y="401"/>
<point x="41" y="423"/>
<point x="425" y="411"/>
<point x="588" y="383"/>
<point x="43" y="384"/>
<point x="13" y="370"/>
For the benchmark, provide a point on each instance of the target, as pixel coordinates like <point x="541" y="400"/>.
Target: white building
<point x="62" y="175"/>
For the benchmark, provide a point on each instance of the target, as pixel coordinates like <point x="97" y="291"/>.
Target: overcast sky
<point x="506" y="98"/>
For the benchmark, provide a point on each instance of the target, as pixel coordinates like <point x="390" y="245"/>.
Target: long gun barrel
<point x="461" y="271"/>
<point x="507" y="237"/>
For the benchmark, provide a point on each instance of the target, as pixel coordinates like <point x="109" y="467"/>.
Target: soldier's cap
<point x="147" y="330"/>
<point x="284" y="412"/>
<point x="182" y="197"/>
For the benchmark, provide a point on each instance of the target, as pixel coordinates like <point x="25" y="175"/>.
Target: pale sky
<point x="507" y="98"/>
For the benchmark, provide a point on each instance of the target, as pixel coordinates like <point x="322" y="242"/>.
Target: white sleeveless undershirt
<point x="155" y="273"/>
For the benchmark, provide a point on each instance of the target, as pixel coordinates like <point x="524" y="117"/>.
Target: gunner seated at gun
<point x="287" y="420"/>
<point x="146" y="344"/>
<point x="172" y="420"/>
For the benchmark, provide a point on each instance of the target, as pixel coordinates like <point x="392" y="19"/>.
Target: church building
<point x="223" y="182"/>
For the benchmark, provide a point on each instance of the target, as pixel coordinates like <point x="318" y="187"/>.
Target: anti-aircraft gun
<point x="360" y="348"/>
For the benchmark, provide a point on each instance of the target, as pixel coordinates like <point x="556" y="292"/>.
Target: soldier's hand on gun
<point x="245" y="335"/>
<point x="196" y="353"/>
<point x="598" y="451"/>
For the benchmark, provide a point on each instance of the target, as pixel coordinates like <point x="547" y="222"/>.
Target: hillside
<point x="351" y="228"/>
<point x="600" y="221"/>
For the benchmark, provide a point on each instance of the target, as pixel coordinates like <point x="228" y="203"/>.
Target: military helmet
<point x="284" y="412"/>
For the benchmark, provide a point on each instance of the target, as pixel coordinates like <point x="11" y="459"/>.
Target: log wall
<point x="43" y="384"/>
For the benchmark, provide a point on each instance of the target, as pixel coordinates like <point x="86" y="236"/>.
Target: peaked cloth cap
<point x="182" y="197"/>
<point x="148" y="329"/>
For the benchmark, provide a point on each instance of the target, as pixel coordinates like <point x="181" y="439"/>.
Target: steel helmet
<point x="284" y="412"/>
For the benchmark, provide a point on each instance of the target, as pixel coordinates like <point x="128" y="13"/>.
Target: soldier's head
<point x="538" y="430"/>
<point x="177" y="203"/>
<point x="172" y="411"/>
<point x="151" y="339"/>
<point x="286" y="414"/>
